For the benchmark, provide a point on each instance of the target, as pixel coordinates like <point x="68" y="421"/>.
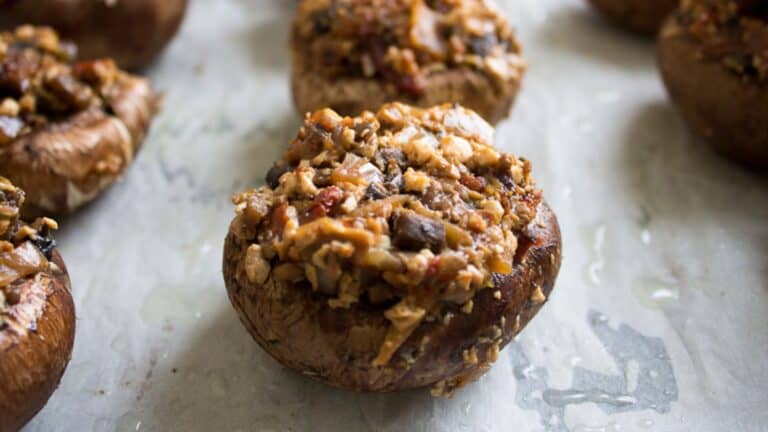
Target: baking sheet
<point x="658" y="321"/>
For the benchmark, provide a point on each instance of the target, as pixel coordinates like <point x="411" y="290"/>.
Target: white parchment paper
<point x="658" y="321"/>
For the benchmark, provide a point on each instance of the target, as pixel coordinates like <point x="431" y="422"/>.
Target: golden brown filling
<point x="24" y="249"/>
<point x="40" y="82"/>
<point x="403" y="41"/>
<point x="734" y="32"/>
<point x="407" y="209"/>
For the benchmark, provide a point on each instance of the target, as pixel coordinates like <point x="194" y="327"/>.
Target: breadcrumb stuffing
<point x="403" y="41"/>
<point x="407" y="208"/>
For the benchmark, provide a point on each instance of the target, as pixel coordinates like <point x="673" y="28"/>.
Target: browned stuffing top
<point x="403" y="41"/>
<point x="24" y="249"/>
<point x="40" y="81"/>
<point x="734" y="32"/>
<point x="407" y="209"/>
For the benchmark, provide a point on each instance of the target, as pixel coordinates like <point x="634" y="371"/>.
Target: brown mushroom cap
<point x="68" y="152"/>
<point x="37" y="314"/>
<point x="640" y="16"/>
<point x="391" y="250"/>
<point x="35" y="344"/>
<point x="132" y="32"/>
<point x="717" y="77"/>
<point x="353" y="56"/>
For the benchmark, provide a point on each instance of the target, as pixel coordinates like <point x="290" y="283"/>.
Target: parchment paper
<point x="658" y="321"/>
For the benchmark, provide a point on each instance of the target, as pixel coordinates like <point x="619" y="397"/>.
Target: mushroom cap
<point x="69" y="152"/>
<point x="37" y="313"/>
<point x="35" y="344"/>
<point x="721" y="99"/>
<point x="392" y="250"/>
<point x="353" y="56"/>
<point x="132" y="32"/>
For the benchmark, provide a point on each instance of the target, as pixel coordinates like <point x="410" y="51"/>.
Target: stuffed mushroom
<point x="394" y="250"/>
<point x="132" y="32"/>
<point x="67" y="129"/>
<point x="640" y="16"/>
<point x="353" y="55"/>
<point x="37" y="314"/>
<point x="713" y="56"/>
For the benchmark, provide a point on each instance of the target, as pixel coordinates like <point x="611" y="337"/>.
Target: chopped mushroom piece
<point x="411" y="231"/>
<point x="37" y="316"/>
